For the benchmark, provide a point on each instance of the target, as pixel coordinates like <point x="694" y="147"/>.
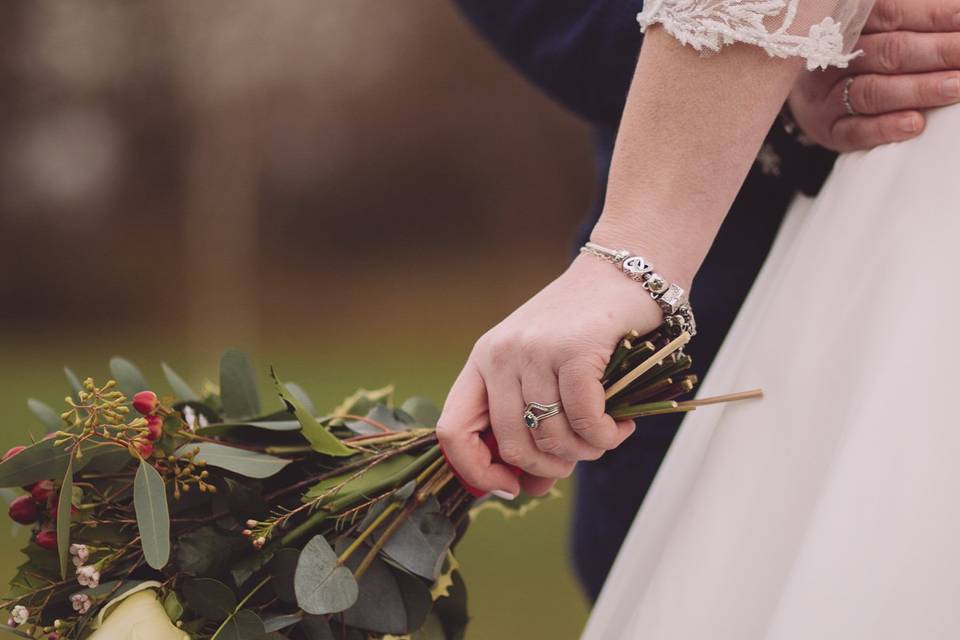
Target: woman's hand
<point x="553" y="348"/>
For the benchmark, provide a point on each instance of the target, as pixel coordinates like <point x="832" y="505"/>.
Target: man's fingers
<point x="513" y="437"/>
<point x="554" y="435"/>
<point x="914" y="15"/>
<point x="458" y="429"/>
<point x="583" y="402"/>
<point x="858" y="133"/>
<point x="874" y="94"/>
<point x="907" y="52"/>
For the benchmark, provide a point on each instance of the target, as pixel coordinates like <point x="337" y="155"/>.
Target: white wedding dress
<point x="830" y="509"/>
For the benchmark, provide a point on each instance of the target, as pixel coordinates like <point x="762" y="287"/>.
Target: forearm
<point x="690" y="131"/>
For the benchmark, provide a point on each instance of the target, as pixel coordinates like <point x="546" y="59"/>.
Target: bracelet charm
<point x="678" y="316"/>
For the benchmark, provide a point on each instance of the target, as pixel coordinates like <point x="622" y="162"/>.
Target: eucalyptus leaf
<point x="316" y="628"/>
<point x="173" y="606"/>
<point x="452" y="609"/>
<point x="48" y="417"/>
<point x="39" y="461"/>
<point x="180" y="388"/>
<point x="210" y="598"/>
<point x="205" y="551"/>
<point x="420" y="544"/>
<point x="423" y="410"/>
<point x="75" y="385"/>
<point x="64" y="507"/>
<point x="238" y="386"/>
<point x="380" y="414"/>
<point x="321" y="584"/>
<point x="252" y="464"/>
<point x="276" y="623"/>
<point x="363" y="400"/>
<point x="370" y="482"/>
<point x="108" y="460"/>
<point x="301" y="397"/>
<point x="243" y="625"/>
<point x="283" y="569"/>
<point x="153" y="516"/>
<point x="320" y="438"/>
<point x="129" y="379"/>
<point x="390" y="601"/>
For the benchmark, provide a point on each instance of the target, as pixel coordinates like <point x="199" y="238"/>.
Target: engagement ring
<point x="534" y="412"/>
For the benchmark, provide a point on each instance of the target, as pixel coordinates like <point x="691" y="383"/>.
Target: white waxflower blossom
<point x="81" y="602"/>
<point x="190" y="417"/>
<point x="80" y="553"/>
<point x="19" y="614"/>
<point x="88" y="575"/>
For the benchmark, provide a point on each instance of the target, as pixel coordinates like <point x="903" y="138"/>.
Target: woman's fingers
<point x="907" y="52"/>
<point x="582" y="394"/>
<point x="554" y="435"/>
<point x="534" y="486"/>
<point x="873" y="94"/>
<point x="914" y="15"/>
<point x="514" y="438"/>
<point x="464" y="417"/>
<point x="857" y="133"/>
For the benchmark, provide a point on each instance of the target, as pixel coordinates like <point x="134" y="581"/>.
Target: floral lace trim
<point x="711" y="24"/>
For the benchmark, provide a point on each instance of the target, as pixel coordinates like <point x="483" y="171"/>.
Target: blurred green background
<point x="351" y="190"/>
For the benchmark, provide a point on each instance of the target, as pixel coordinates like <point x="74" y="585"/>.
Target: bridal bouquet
<point x="205" y="515"/>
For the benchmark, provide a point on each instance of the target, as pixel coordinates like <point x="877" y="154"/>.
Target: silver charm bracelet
<point x="678" y="316"/>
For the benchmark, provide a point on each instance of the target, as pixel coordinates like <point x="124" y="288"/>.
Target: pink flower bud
<point x="47" y="539"/>
<point x="23" y="509"/>
<point x="146" y="402"/>
<point x="154" y="427"/>
<point x="42" y="490"/>
<point x="12" y="452"/>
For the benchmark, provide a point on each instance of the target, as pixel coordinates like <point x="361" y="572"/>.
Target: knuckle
<point x="588" y="428"/>
<point x="551" y="445"/>
<point x="888" y="15"/>
<point x="890" y="53"/>
<point x="498" y="349"/>
<point x="513" y="453"/>
<point x="870" y="95"/>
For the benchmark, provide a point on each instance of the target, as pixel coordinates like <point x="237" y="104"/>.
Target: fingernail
<point x="504" y="495"/>
<point x="909" y="124"/>
<point x="951" y="87"/>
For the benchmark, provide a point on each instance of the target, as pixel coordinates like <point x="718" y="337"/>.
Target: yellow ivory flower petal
<point x="139" y="617"/>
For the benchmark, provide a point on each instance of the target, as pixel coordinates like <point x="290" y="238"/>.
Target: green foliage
<point x="205" y="551"/>
<point x="242" y="625"/>
<point x="319" y="436"/>
<point x="238" y="386"/>
<point x="48" y="417"/>
<point x="210" y="598"/>
<point x="321" y="583"/>
<point x="423" y="411"/>
<point x="129" y="379"/>
<point x="39" y="461"/>
<point x="181" y="389"/>
<point x="248" y="463"/>
<point x="390" y="601"/>
<point x="153" y="516"/>
<point x="64" y="507"/>
<point x="420" y="545"/>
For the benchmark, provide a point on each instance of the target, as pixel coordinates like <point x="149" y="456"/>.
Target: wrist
<point x="654" y="244"/>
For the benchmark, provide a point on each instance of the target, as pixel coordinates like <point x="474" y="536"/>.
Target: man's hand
<point x="911" y="62"/>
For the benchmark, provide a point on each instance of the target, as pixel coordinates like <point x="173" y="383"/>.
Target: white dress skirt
<point x="829" y="509"/>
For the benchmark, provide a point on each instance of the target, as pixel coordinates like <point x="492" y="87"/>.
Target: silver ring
<point x="845" y="98"/>
<point x="535" y="412"/>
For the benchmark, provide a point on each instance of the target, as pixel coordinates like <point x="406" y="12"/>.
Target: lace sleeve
<point x="823" y="32"/>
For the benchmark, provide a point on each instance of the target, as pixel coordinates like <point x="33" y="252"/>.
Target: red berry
<point x="154" y="427"/>
<point x="47" y="539"/>
<point x="12" y="452"/>
<point x="42" y="490"/>
<point x="23" y="509"/>
<point x="144" y="448"/>
<point x="52" y="506"/>
<point x="146" y="402"/>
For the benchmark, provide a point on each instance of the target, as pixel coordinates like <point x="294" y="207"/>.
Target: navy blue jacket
<point x="582" y="53"/>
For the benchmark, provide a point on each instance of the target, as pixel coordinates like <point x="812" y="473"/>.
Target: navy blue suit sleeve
<point x="580" y="52"/>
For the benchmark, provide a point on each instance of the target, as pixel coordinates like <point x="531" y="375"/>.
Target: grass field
<point x="517" y="570"/>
